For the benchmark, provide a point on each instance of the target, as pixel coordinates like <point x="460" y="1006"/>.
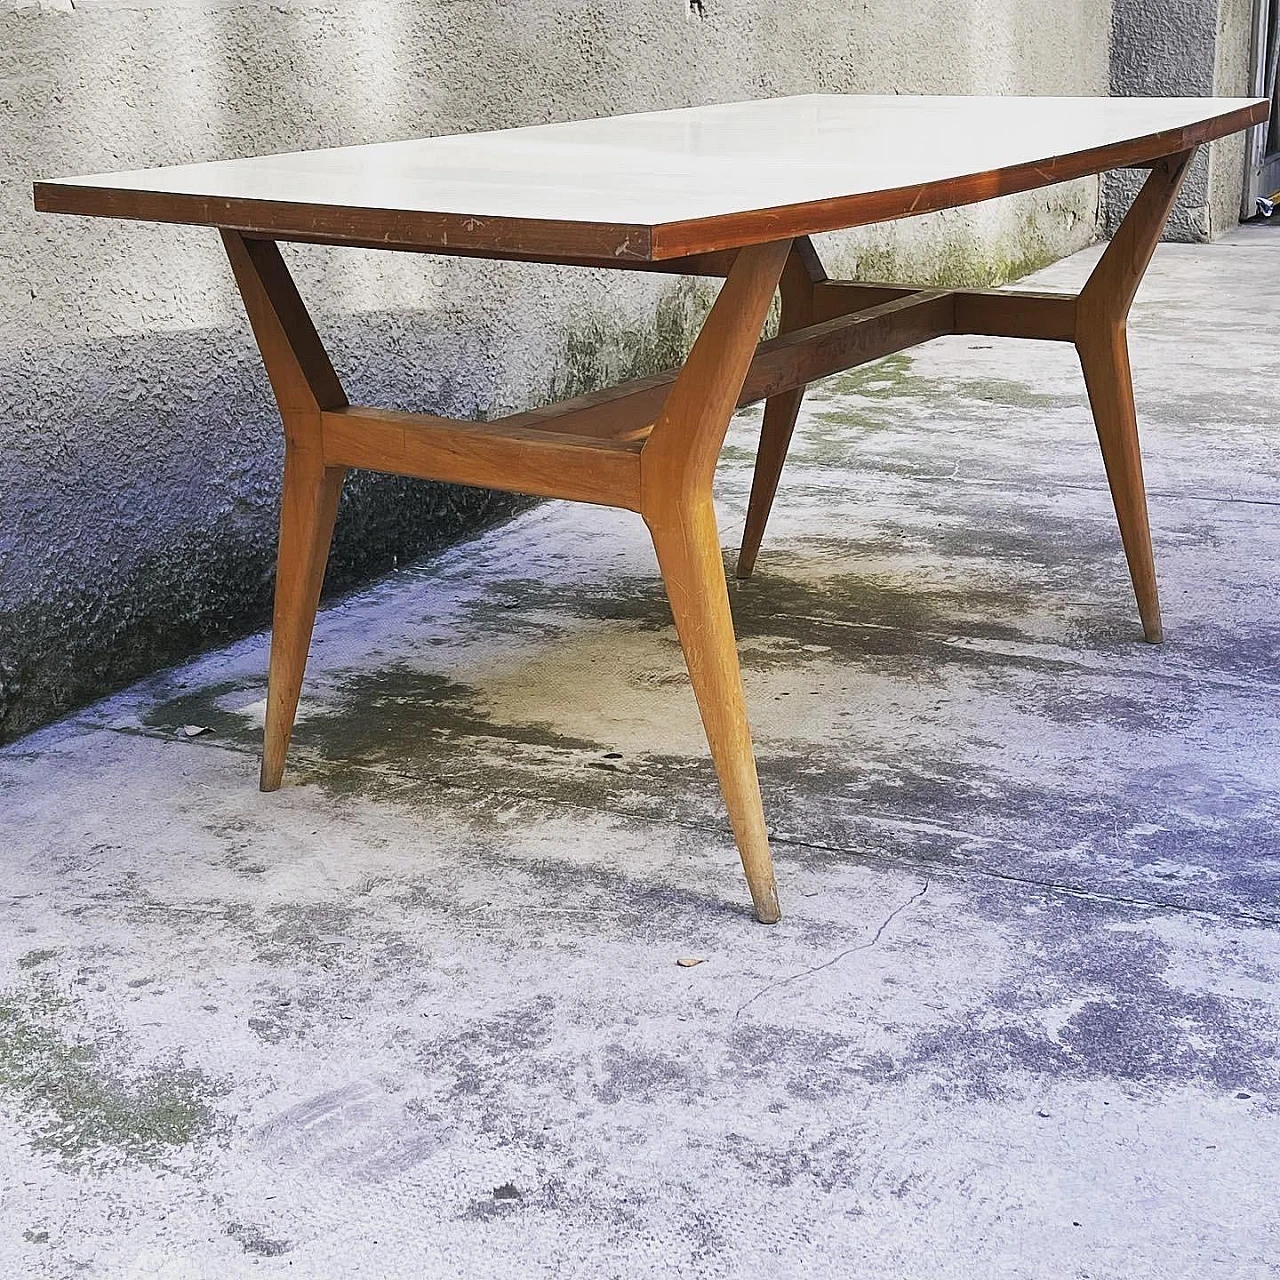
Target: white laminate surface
<point x="671" y="166"/>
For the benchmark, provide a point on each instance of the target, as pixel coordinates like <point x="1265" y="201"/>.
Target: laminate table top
<point x="664" y="184"/>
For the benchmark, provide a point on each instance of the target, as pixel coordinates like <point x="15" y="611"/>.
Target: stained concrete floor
<point x="419" y="1013"/>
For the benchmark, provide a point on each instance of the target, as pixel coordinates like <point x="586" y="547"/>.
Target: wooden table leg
<point x="308" y="507"/>
<point x="677" y="468"/>
<point x="1101" y="340"/>
<point x="801" y="273"/>
<point x="304" y="384"/>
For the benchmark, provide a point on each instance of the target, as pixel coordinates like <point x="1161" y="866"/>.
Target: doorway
<point x="1262" y="155"/>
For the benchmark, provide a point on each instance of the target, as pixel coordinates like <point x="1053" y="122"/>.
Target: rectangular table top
<point x="663" y="184"/>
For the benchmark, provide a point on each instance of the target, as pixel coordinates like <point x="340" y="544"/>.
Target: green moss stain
<point x="960" y="258"/>
<point x="600" y="351"/>
<point x="407" y="722"/>
<point x="34" y="959"/>
<point x="384" y="712"/>
<point x="779" y="605"/>
<point x="377" y="710"/>
<point x="255" y="1241"/>
<point x="80" y="1101"/>
<point x="880" y="380"/>
<point x="1005" y="391"/>
<point x="205" y="706"/>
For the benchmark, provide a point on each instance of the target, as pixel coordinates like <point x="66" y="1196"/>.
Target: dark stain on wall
<point x="159" y="540"/>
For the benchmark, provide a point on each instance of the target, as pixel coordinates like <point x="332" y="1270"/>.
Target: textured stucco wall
<point x="139" y="452"/>
<point x="1231" y="78"/>
<point x="1193" y="48"/>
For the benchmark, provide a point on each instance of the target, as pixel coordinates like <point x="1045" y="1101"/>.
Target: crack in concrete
<point x="848" y="951"/>
<point x="1012" y="486"/>
<point x="1051" y="886"/>
<point x="1031" y="882"/>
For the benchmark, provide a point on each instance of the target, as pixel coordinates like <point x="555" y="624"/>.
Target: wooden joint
<point x="301" y="375"/>
<point x="1109" y="292"/>
<point x="1000" y="313"/>
<point x="832" y="298"/>
<point x="997" y="313"/>
<point x="802" y="356"/>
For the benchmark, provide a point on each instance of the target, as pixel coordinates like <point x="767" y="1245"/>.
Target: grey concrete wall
<point x="139" y="452"/>
<point x="1192" y="48"/>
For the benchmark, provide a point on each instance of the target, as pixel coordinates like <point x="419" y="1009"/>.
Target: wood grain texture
<point x="832" y="298"/>
<point x="1016" y="313"/>
<point x="305" y="386"/>
<point x="708" y="235"/>
<point x="298" y="366"/>
<point x="802" y="272"/>
<point x="995" y="313"/>
<point x="415" y="443"/>
<point x="1102" y="343"/>
<point x="542" y="463"/>
<point x="308" y="509"/>
<point x="677" y="467"/>
<point x="805" y="355"/>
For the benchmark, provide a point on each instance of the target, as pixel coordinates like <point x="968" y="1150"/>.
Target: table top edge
<point x="603" y="242"/>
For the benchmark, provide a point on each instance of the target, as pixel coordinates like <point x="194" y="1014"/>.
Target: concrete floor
<point x="419" y="1013"/>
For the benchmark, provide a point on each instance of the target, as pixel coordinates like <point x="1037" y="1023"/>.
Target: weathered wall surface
<point x="139" y="452"/>
<point x="1191" y="48"/>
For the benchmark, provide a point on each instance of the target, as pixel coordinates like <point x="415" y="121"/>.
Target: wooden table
<point x="733" y="191"/>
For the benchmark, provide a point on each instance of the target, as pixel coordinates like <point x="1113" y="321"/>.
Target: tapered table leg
<point x="1104" y="357"/>
<point x="677" y="467"/>
<point x="798" y="277"/>
<point x="304" y="384"/>
<point x="307" y="510"/>
<point x="1102" y="342"/>
<point x="688" y="547"/>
